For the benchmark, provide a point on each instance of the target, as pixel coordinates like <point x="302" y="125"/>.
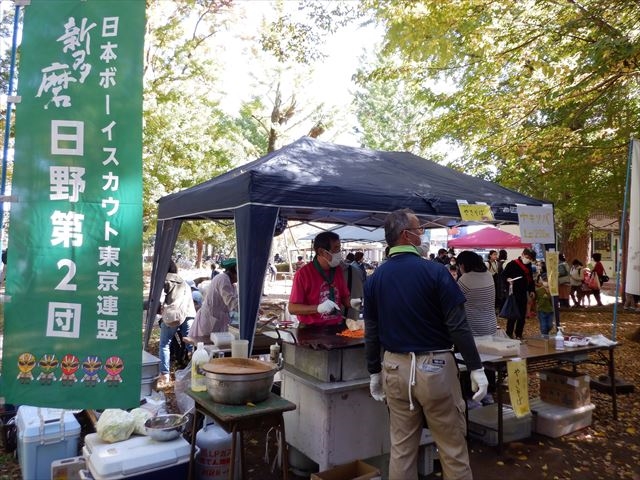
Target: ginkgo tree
<point x="543" y="96"/>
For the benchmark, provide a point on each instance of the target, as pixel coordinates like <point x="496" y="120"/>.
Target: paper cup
<point x="240" y="348"/>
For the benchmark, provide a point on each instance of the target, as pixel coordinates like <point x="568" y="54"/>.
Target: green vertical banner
<point x="73" y="325"/>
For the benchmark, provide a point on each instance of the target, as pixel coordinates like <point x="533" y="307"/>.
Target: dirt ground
<point x="606" y="450"/>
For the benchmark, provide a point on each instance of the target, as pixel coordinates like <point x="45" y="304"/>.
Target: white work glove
<point x="327" y="306"/>
<point x="479" y="384"/>
<point x="375" y="387"/>
<point x="356" y="302"/>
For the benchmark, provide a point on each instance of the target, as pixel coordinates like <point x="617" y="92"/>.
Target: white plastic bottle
<point x="559" y="340"/>
<point x="199" y="358"/>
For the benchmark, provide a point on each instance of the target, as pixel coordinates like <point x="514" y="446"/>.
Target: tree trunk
<point x="576" y="247"/>
<point x="199" y="248"/>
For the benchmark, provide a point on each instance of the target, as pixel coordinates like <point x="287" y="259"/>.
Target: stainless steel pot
<point x="165" y="427"/>
<point x="239" y="388"/>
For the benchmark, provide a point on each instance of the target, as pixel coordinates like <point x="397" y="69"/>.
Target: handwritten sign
<point x="518" y="390"/>
<point x="536" y="224"/>
<point x="475" y="212"/>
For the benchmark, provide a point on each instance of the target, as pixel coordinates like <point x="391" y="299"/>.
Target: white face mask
<point x="336" y="258"/>
<point x="526" y="261"/>
<point x="419" y="238"/>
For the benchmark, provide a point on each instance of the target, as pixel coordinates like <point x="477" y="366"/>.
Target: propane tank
<point x="214" y="455"/>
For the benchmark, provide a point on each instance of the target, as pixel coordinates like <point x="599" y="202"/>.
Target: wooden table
<point x="540" y="359"/>
<point x="238" y="418"/>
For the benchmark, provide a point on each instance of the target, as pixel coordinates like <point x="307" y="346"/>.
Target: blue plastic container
<point x="45" y="435"/>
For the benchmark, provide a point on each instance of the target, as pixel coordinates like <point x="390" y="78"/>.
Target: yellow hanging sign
<point x="475" y="212"/>
<point x="518" y="390"/>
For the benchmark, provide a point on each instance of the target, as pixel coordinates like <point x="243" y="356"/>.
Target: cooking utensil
<point x="236" y="381"/>
<point x="165" y="427"/>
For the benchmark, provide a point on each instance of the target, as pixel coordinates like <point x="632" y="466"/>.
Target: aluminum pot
<point x="236" y="381"/>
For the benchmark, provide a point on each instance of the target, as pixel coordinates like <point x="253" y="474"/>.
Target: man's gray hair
<point x="395" y="223"/>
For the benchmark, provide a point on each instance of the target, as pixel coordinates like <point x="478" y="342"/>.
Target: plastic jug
<point x="199" y="358"/>
<point x="559" y="340"/>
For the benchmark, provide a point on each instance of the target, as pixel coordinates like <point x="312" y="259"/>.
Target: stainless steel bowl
<point x="165" y="427"/>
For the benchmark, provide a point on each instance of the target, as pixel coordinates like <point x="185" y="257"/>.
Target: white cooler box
<point x="555" y="420"/>
<point x="139" y="458"/>
<point x="483" y="424"/>
<point x="45" y="435"/>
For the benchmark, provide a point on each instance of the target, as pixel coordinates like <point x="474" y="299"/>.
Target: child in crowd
<point x="544" y="305"/>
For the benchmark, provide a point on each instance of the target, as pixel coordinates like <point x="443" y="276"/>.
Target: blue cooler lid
<point x="41" y="424"/>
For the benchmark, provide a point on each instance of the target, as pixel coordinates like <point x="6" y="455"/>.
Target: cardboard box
<point x="543" y="343"/>
<point x="565" y="388"/>
<point x="357" y="470"/>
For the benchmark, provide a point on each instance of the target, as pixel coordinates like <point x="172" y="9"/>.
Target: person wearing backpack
<point x="576" y="277"/>
<point x="178" y="312"/>
<point x="564" y="281"/>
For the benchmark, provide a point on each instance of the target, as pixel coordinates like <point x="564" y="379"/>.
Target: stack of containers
<point x="138" y="458"/>
<point x="150" y="371"/>
<point x="45" y="435"/>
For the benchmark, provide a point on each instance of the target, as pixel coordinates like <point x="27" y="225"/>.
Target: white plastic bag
<point x="115" y="425"/>
<point x="182" y="384"/>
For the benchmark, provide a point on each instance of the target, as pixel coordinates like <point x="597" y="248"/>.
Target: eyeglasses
<point x="419" y="229"/>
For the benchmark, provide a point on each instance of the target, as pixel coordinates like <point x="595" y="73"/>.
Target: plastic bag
<point x="182" y="384"/>
<point x="510" y="309"/>
<point x="140" y="415"/>
<point x="115" y="425"/>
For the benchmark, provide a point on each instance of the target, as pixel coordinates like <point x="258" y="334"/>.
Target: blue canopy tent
<point x="314" y="181"/>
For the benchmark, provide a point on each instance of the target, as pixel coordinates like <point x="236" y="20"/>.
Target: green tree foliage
<point x="187" y="138"/>
<point x="544" y="94"/>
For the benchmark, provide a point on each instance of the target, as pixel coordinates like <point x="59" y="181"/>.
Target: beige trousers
<point x="436" y="395"/>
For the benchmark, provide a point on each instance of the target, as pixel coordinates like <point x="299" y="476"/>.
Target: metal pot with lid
<point x="236" y="381"/>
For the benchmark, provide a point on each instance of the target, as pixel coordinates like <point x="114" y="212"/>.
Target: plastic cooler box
<point x="45" y="435"/>
<point x="139" y="458"/>
<point x="555" y="421"/>
<point x="483" y="424"/>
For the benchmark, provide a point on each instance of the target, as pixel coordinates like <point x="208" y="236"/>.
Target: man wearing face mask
<point x="519" y="274"/>
<point x="319" y="295"/>
<point x="414" y="313"/>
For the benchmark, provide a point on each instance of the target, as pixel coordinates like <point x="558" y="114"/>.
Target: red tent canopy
<point x="489" y="237"/>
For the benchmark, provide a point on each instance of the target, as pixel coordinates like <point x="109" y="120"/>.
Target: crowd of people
<point x="417" y="310"/>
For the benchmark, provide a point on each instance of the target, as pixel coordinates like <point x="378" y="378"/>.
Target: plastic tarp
<point x="488" y="237"/>
<point x="319" y="182"/>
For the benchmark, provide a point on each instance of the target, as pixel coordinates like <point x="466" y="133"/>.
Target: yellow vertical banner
<point x="552" y="272"/>
<point x="518" y="389"/>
